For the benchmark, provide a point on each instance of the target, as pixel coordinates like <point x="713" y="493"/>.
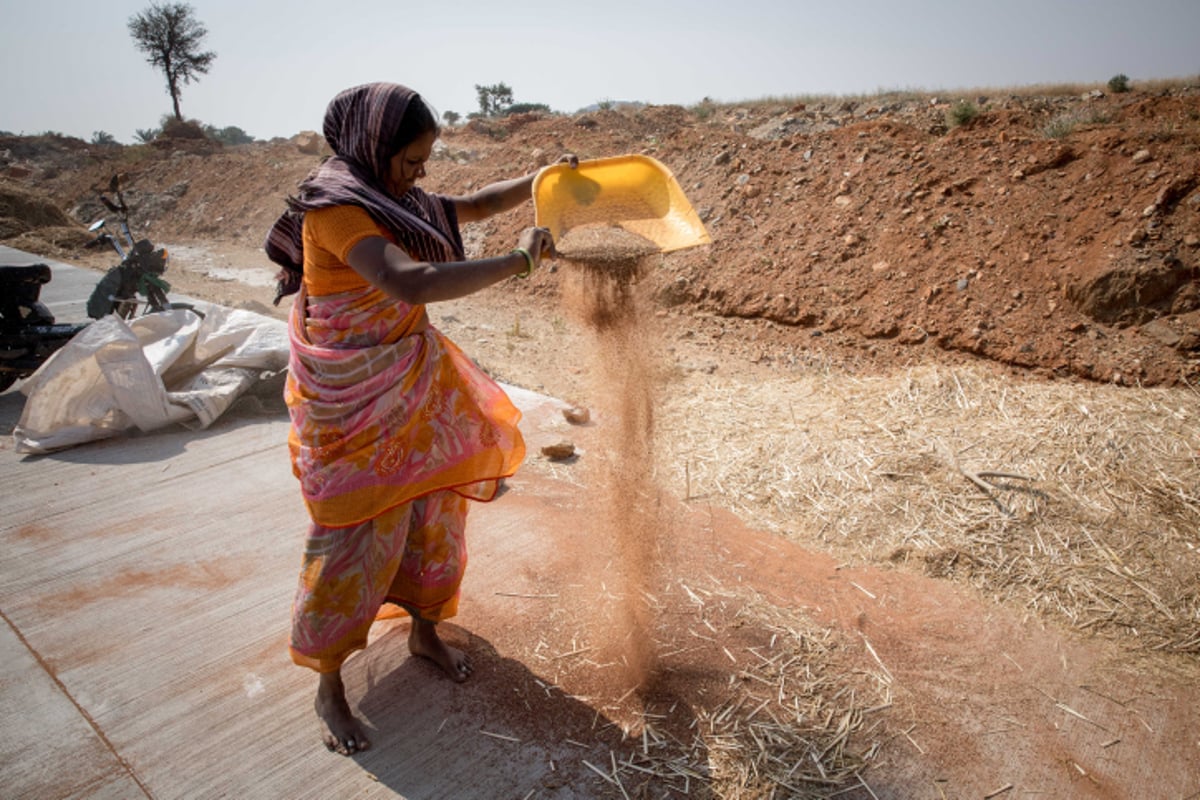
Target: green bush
<point x="229" y="135"/>
<point x="103" y="138"/>
<point x="1118" y="84"/>
<point x="526" y="108"/>
<point x="704" y="109"/>
<point x="181" y="129"/>
<point x="961" y="113"/>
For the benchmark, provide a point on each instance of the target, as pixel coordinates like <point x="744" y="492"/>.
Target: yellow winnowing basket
<point x="634" y="192"/>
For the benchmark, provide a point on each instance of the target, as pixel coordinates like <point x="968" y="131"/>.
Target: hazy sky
<point x="70" y="65"/>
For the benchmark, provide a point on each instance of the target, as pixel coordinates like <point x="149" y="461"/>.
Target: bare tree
<point x="171" y="36"/>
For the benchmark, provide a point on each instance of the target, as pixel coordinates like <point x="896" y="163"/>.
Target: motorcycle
<point x="139" y="273"/>
<point x="28" y="332"/>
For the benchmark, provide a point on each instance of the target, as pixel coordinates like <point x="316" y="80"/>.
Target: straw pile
<point x="747" y="701"/>
<point x="1080" y="501"/>
<point x="795" y="720"/>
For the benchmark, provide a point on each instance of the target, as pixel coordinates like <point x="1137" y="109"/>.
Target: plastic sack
<point x="147" y="373"/>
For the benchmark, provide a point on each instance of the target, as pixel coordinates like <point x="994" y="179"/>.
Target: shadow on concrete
<point x="506" y="732"/>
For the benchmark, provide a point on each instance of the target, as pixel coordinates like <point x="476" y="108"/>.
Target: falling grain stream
<point x="603" y="264"/>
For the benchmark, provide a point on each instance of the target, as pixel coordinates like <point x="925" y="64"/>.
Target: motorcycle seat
<point x="33" y="273"/>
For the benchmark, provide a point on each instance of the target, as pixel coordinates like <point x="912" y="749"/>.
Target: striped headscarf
<point x="361" y="124"/>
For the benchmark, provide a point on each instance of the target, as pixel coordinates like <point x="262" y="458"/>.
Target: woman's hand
<point x="538" y="243"/>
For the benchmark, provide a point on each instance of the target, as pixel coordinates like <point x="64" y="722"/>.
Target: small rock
<point x="1142" y="156"/>
<point x="577" y="415"/>
<point x="310" y="143"/>
<point x="559" y="451"/>
<point x="1160" y="330"/>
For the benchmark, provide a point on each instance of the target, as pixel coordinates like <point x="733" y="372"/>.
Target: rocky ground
<point x="1056" y="235"/>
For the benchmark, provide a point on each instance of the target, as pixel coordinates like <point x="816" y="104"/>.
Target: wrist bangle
<point x="525" y="273"/>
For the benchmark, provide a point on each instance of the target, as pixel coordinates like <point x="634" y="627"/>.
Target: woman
<point x="393" y="428"/>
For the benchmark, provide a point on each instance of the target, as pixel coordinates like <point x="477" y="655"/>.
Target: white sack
<point x="155" y="370"/>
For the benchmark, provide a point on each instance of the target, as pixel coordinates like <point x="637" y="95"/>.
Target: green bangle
<point x="525" y="273"/>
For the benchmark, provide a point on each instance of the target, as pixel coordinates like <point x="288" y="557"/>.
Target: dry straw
<point x="1080" y="501"/>
<point x="798" y="713"/>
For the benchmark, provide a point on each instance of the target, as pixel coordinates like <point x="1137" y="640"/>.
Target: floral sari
<point x="393" y="430"/>
<point x="393" y="427"/>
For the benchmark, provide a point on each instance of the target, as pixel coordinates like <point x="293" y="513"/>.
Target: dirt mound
<point x="22" y="209"/>
<point x="1057" y="235"/>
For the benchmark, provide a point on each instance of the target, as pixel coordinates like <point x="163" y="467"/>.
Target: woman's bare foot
<point x="424" y="641"/>
<point x="340" y="730"/>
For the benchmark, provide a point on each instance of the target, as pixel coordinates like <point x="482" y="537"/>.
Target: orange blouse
<point x="329" y="236"/>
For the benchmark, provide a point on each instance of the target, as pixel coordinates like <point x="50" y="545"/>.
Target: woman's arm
<point x="500" y="196"/>
<point x="493" y="198"/>
<point x="389" y="268"/>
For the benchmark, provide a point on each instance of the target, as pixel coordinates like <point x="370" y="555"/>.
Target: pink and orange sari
<point x="393" y="430"/>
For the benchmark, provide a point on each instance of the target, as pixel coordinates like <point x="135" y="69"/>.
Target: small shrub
<point x="961" y="113"/>
<point x="1118" y="84"/>
<point x="182" y="129"/>
<point x="526" y="108"/>
<point x="230" y="135"/>
<point x="103" y="138"/>
<point x="1065" y="124"/>
<point x="704" y="109"/>
<point x="1060" y="126"/>
<point x="146" y="135"/>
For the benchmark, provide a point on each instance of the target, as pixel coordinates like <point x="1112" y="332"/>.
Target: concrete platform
<point x="145" y="586"/>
